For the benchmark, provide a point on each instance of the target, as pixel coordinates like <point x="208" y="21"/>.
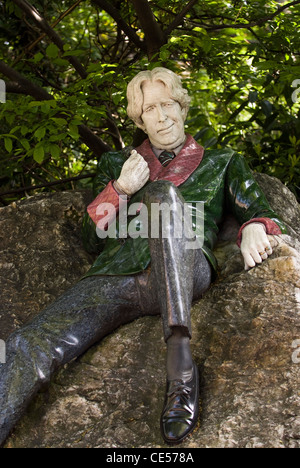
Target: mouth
<point x="165" y="130"/>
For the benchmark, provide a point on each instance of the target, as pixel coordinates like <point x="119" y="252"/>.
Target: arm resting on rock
<point x="248" y="203"/>
<point x="246" y="200"/>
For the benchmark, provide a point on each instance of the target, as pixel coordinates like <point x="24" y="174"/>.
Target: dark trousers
<point x="96" y="306"/>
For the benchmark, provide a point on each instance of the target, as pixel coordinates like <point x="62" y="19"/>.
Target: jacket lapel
<point x="182" y="166"/>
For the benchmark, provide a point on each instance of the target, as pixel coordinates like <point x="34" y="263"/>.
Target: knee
<point x="162" y="191"/>
<point x="30" y="352"/>
<point x="17" y="342"/>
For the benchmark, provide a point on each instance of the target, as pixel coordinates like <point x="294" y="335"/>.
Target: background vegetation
<point x="66" y="66"/>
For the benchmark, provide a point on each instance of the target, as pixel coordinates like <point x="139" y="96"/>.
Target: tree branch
<point x="116" y="15"/>
<point x="27" y="86"/>
<point x="66" y="13"/>
<point x="88" y="137"/>
<point x="47" y="184"/>
<point x="15" y="88"/>
<point x="93" y="141"/>
<point x="254" y="23"/>
<point x="180" y="17"/>
<point x="154" y="35"/>
<point x="46" y="28"/>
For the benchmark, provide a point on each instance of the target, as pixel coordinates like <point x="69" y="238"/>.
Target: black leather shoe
<point x="181" y="411"/>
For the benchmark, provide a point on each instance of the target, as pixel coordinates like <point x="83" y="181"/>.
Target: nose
<point x="161" y="114"/>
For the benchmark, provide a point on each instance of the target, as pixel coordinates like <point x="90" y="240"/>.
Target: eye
<point x="169" y="104"/>
<point x="149" y="109"/>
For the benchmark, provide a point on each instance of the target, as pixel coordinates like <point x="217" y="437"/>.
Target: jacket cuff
<point x="105" y="208"/>
<point x="272" y="228"/>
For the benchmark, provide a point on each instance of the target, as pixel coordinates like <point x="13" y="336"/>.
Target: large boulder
<point x="245" y="341"/>
<point x="41" y="254"/>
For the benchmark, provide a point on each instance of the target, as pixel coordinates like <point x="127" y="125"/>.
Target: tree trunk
<point x="154" y="35"/>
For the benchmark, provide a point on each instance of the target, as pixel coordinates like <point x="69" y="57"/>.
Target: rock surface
<point x="245" y="336"/>
<point x="41" y="254"/>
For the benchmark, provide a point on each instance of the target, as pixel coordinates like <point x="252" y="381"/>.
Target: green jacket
<point x="219" y="178"/>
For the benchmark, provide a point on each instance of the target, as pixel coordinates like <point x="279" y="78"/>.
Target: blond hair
<point x="135" y="95"/>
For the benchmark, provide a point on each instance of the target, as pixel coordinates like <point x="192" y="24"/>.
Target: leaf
<point x="24" y="130"/>
<point x="25" y="144"/>
<point x="200" y="30"/>
<point x="73" y="131"/>
<point x="61" y="62"/>
<point x="58" y="137"/>
<point x="267" y="65"/>
<point x="74" y="53"/>
<point x="8" y="144"/>
<point x="164" y="54"/>
<point x="38" y="57"/>
<point x="206" y="44"/>
<point x="40" y="133"/>
<point x="55" y="151"/>
<point x="39" y="154"/>
<point x="59" y="121"/>
<point x="34" y="104"/>
<point x="52" y="51"/>
<point x="9" y="118"/>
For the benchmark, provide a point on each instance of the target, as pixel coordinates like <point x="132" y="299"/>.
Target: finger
<point x="135" y="158"/>
<point x="143" y="163"/>
<point x="136" y="167"/>
<point x="249" y="262"/>
<point x="138" y="157"/>
<point x="146" y="174"/>
<point x="262" y="251"/>
<point x="267" y="245"/>
<point x="273" y="241"/>
<point x="256" y="255"/>
<point x="268" y="250"/>
<point x="145" y="180"/>
<point x="142" y="170"/>
<point x="135" y="155"/>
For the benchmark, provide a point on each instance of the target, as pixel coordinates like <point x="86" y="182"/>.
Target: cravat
<point x="166" y="157"/>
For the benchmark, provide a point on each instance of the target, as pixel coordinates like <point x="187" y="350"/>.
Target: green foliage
<point x="239" y="60"/>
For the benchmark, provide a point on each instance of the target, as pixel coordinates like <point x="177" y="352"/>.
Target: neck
<point x="175" y="147"/>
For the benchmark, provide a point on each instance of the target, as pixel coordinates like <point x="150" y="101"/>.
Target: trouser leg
<point x="87" y="312"/>
<point x="174" y="264"/>
<point x="179" y="273"/>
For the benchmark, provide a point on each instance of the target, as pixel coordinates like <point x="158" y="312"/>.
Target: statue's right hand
<point x="134" y="175"/>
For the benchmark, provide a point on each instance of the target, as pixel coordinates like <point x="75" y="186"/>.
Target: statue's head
<point x="158" y="104"/>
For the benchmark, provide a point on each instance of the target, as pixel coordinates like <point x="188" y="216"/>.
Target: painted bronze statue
<point x="137" y="275"/>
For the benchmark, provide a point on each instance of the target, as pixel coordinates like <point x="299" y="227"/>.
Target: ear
<point x="184" y="113"/>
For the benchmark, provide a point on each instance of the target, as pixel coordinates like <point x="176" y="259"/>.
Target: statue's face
<point x="163" y="117"/>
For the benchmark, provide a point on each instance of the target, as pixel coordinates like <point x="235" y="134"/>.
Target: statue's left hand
<point x="256" y="245"/>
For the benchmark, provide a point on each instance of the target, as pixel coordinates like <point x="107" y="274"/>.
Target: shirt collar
<point x="176" y="150"/>
<point x="180" y="169"/>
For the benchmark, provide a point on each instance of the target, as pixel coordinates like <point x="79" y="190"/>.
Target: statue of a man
<point x="138" y="275"/>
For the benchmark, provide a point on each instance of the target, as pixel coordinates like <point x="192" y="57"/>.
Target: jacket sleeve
<point x="247" y="201"/>
<point x="104" y="209"/>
